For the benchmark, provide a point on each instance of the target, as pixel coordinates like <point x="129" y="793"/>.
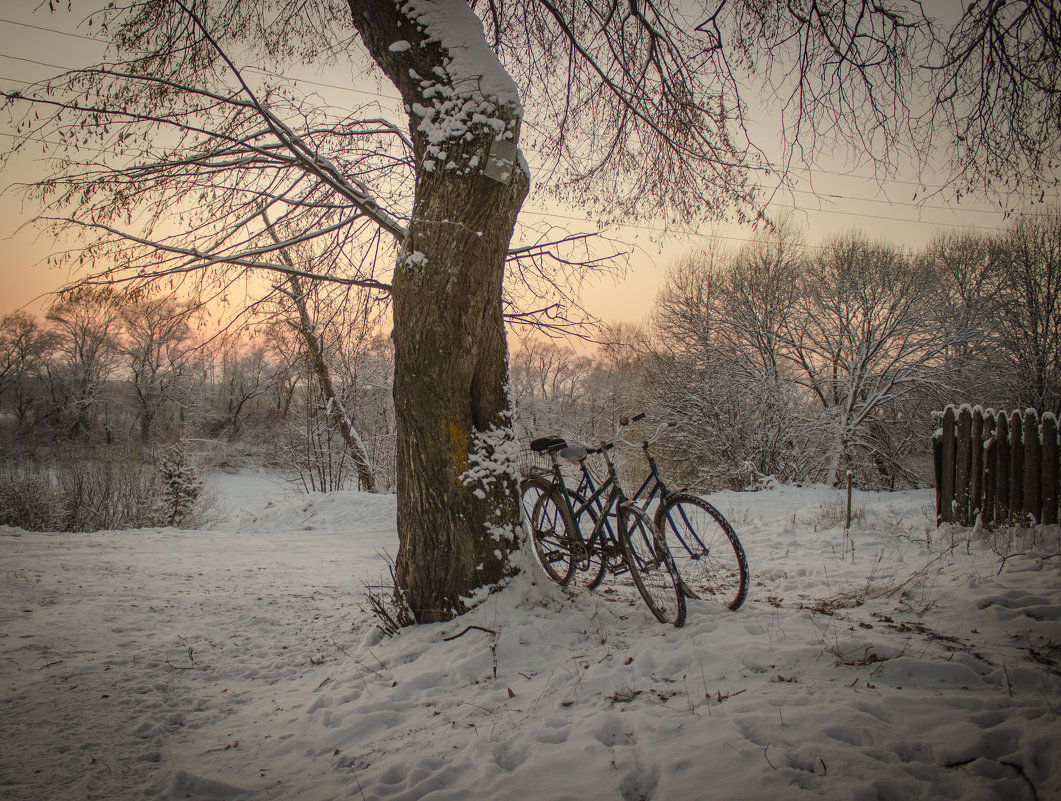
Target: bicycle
<point x="637" y="547"/>
<point x="709" y="555"/>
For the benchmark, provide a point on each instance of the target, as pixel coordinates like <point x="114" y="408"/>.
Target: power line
<point x="53" y="30"/>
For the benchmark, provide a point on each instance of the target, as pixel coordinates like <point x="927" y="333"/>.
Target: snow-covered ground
<point x="241" y="663"/>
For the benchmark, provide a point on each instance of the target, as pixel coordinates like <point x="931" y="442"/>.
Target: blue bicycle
<point x="708" y="552"/>
<point x="704" y="546"/>
<point x="574" y="534"/>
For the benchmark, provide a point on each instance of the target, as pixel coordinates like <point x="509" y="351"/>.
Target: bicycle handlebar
<point x="644" y="443"/>
<point x="557" y="444"/>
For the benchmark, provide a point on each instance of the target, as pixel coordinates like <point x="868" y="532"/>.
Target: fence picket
<point x="1033" y="465"/>
<point x="962" y="464"/>
<point x="990" y="468"/>
<point x="1050" y="469"/>
<point x="1002" y="485"/>
<point x="1016" y="469"/>
<point x="976" y="469"/>
<point x="946" y="488"/>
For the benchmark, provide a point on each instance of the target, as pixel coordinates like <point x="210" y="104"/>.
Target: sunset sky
<point x="842" y="197"/>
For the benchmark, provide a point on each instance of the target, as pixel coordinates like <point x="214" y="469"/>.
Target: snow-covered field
<point x="240" y="663"/>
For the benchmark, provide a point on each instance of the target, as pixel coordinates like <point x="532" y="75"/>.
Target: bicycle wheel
<point x="651" y="566"/>
<point x="705" y="547"/>
<point x="531" y="488"/>
<point x="552" y="536"/>
<point x="589" y="561"/>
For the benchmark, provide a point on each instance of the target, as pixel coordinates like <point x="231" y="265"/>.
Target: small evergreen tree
<point x="181" y="485"/>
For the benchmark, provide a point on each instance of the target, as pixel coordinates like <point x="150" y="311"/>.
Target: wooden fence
<point x="1001" y="467"/>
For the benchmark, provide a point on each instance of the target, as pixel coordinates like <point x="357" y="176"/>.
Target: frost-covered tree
<point x="156" y="342"/>
<point x="1027" y="259"/>
<point x="86" y="325"/>
<point x="25" y="347"/>
<point x="863" y="335"/>
<point x="717" y="359"/>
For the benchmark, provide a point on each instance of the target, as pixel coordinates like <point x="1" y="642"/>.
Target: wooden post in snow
<point x="1033" y="465"/>
<point x="1002" y="468"/>
<point x="1050" y="469"/>
<point x="976" y="469"/>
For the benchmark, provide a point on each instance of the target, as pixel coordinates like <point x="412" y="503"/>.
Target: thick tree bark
<point x="457" y="484"/>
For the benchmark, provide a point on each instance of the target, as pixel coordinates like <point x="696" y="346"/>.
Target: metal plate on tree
<point x="500" y="161"/>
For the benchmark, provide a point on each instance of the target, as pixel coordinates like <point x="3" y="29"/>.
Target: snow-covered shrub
<point x="29" y="501"/>
<point x="106" y="489"/>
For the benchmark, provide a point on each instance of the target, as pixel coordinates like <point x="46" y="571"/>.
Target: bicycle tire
<point x="590" y="567"/>
<point x="706" y="549"/>
<point x="590" y="563"/>
<point x="651" y="566"/>
<point x="552" y="536"/>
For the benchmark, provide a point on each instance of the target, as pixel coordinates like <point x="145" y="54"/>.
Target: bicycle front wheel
<point x="552" y="536"/>
<point x="709" y="556"/>
<point x="651" y="566"/>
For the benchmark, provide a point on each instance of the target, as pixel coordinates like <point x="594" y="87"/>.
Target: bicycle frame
<point x="657" y="488"/>
<point x="602" y="529"/>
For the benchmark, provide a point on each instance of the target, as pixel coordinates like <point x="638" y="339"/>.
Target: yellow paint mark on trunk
<point x="458" y="440"/>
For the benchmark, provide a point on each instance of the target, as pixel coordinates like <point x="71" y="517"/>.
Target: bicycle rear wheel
<point x="709" y="556"/>
<point x="552" y="536"/>
<point x="589" y="557"/>
<point x="651" y="566"/>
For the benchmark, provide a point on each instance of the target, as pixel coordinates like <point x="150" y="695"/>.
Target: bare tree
<point x="997" y="80"/>
<point x="967" y="308"/>
<point x="1028" y="260"/>
<point x="863" y="336"/>
<point x="246" y="374"/>
<point x="24" y="350"/>
<point x="86" y="325"/>
<point x="718" y="362"/>
<point x="309" y="333"/>
<point x="156" y="343"/>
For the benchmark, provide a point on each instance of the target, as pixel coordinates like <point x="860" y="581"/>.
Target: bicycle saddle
<point x="544" y="444"/>
<point x="574" y="452"/>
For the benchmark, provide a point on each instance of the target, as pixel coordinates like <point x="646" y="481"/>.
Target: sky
<point x="840" y="197"/>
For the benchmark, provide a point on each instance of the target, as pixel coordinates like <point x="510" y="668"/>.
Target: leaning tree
<point x="170" y="154"/>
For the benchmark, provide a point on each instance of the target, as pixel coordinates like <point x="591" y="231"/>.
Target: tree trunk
<point x="336" y="412"/>
<point x="458" y="499"/>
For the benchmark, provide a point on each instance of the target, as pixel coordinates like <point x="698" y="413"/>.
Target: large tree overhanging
<point x="636" y="111"/>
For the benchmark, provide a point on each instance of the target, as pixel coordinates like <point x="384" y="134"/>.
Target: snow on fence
<point x="997" y="466"/>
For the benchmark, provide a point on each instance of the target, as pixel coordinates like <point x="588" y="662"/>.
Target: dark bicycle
<point x="708" y="553"/>
<point x="557" y="518"/>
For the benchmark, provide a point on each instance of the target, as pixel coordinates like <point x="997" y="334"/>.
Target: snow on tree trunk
<point x="456" y="478"/>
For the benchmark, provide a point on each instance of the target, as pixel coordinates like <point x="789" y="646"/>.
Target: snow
<point x="241" y="663"/>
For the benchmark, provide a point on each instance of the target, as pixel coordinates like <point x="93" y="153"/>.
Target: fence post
<point x="990" y="468"/>
<point x="1016" y="468"/>
<point x="945" y="512"/>
<point x="976" y="465"/>
<point x="1002" y="466"/>
<point x="1050" y="471"/>
<point x="1033" y="465"/>
<point x="962" y="463"/>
